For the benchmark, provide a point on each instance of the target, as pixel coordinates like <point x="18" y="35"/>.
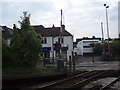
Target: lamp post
<point x="106" y="7"/>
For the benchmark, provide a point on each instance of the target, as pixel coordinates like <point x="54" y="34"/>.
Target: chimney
<point x="53" y="26"/>
<point x="63" y="27"/>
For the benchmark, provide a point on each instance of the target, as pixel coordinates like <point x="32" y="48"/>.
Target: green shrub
<point x="98" y="49"/>
<point x="26" y="43"/>
<point x="8" y="58"/>
<point x="115" y="49"/>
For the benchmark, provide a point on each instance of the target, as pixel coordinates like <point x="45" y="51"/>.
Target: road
<point x="85" y="62"/>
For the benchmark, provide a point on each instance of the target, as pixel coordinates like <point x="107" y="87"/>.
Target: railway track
<point x="72" y="82"/>
<point x="104" y="81"/>
<point x="103" y="84"/>
<point x="79" y="81"/>
<point x="66" y="83"/>
<point x="108" y="86"/>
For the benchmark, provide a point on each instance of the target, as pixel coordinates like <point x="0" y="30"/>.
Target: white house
<point x="83" y="46"/>
<point x="51" y="36"/>
<point x="7" y="33"/>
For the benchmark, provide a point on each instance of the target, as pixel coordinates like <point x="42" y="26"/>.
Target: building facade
<point x="50" y="37"/>
<point x="50" y="40"/>
<point x="7" y="33"/>
<point x="84" y="46"/>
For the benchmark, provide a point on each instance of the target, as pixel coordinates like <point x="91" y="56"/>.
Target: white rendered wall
<point x="82" y="44"/>
<point x="68" y="42"/>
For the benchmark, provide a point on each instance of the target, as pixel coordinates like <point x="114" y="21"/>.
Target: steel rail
<point x="109" y="84"/>
<point x="78" y="81"/>
<point x="87" y="81"/>
<point x="67" y="83"/>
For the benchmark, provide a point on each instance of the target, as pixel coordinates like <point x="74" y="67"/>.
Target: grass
<point x="26" y="72"/>
<point x="10" y="73"/>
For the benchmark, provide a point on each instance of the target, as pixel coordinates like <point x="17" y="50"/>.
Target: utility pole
<point x="60" y="46"/>
<point x="107" y="30"/>
<point x="61" y="36"/>
<point x="103" y="43"/>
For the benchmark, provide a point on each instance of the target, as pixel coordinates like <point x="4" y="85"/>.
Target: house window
<point x="59" y="40"/>
<point x="44" y="41"/>
<point x="62" y="40"/>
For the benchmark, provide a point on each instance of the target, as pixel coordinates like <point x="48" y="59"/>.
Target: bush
<point x="25" y="47"/>
<point x="115" y="49"/>
<point x="98" y="49"/>
<point x="26" y="43"/>
<point x="8" y="58"/>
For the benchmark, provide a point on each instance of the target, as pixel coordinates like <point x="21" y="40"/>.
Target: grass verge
<point x="26" y="72"/>
<point x="14" y="73"/>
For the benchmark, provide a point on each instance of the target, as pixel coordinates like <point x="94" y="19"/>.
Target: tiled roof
<point x="44" y="32"/>
<point x="6" y="32"/>
<point x="53" y="31"/>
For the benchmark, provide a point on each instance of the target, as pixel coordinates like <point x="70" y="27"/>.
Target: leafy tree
<point x="98" y="49"/>
<point x="8" y="59"/>
<point x="26" y="43"/>
<point x="106" y="46"/>
<point x="115" y="49"/>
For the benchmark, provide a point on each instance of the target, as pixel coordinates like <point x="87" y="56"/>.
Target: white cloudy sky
<point x="81" y="17"/>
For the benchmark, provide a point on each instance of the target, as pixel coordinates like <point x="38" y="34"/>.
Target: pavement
<point x="85" y="62"/>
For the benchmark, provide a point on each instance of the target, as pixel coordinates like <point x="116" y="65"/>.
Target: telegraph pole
<point x="103" y="43"/>
<point x="61" y="36"/>
<point x="102" y="38"/>
<point x="60" y="45"/>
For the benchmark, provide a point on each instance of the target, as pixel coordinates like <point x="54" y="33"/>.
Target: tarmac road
<point x="85" y="62"/>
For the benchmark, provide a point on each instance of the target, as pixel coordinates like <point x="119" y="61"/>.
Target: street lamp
<point x="107" y="28"/>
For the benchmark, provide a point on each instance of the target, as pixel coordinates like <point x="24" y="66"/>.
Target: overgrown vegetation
<point x="98" y="49"/>
<point x="114" y="49"/>
<point x="27" y="72"/>
<point x="25" y="48"/>
<point x="8" y="59"/>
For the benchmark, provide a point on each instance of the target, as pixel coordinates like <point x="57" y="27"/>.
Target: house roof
<point x="44" y="32"/>
<point x="52" y="31"/>
<point x="6" y="32"/>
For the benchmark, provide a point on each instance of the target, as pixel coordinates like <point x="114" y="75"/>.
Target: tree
<point x="98" y="49"/>
<point x="115" y="49"/>
<point x="26" y="43"/>
<point x="8" y="59"/>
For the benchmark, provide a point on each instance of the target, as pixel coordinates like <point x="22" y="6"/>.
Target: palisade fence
<point x="47" y="62"/>
<point x="56" y="63"/>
